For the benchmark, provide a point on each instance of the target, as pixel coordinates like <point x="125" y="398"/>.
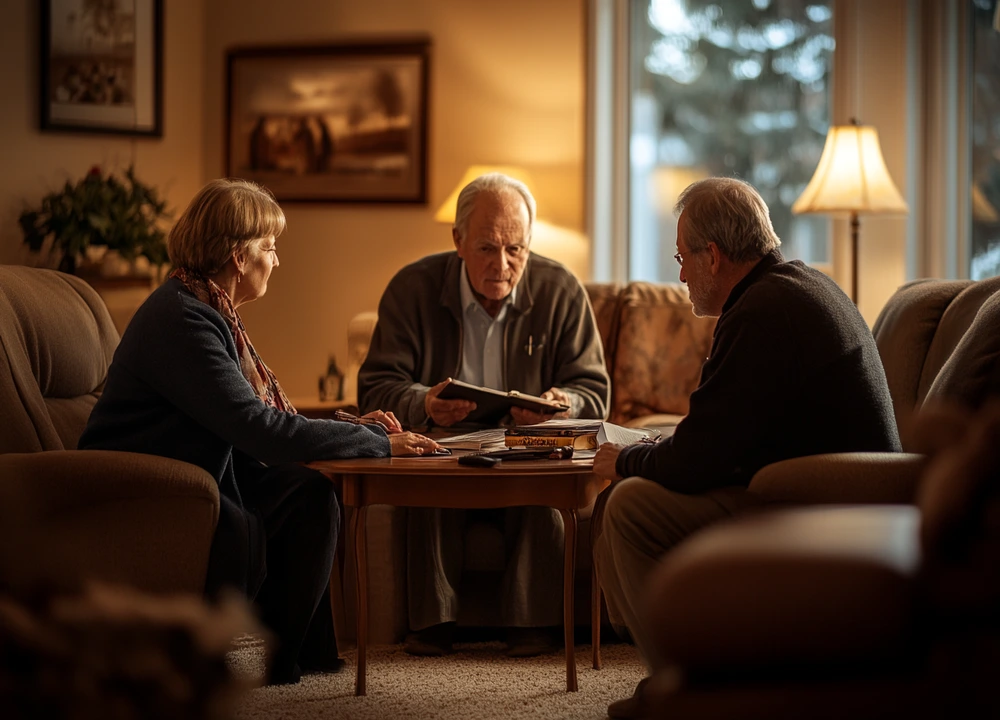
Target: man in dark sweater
<point x="793" y="371"/>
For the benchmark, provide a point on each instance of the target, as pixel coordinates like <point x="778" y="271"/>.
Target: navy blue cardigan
<point x="175" y="389"/>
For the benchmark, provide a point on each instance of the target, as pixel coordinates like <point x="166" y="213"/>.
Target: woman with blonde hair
<point x="186" y="383"/>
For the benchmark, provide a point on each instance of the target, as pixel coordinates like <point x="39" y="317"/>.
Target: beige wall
<point x="507" y="82"/>
<point x="35" y="163"/>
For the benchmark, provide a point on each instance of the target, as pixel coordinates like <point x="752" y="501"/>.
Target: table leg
<point x="595" y="615"/>
<point x="341" y="546"/>
<point x="361" y="563"/>
<point x="569" y="572"/>
<point x="340" y="566"/>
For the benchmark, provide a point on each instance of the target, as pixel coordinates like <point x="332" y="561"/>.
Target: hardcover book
<point x="580" y="434"/>
<point x="492" y="405"/>
<point x="587" y="441"/>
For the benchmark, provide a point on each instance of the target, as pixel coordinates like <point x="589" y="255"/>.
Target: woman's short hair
<point x="224" y="218"/>
<point x="495" y="183"/>
<point x="730" y="213"/>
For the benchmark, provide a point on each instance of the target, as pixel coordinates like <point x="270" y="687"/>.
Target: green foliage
<point x="126" y="215"/>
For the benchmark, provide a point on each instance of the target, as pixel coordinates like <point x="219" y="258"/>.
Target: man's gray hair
<point x="495" y="183"/>
<point x="730" y="213"/>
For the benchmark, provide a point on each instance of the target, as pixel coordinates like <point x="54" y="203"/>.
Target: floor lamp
<point x="851" y="179"/>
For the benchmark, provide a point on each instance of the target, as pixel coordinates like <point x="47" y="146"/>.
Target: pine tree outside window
<point x="725" y="87"/>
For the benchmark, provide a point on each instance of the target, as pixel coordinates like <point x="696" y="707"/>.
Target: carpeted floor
<point x="478" y="682"/>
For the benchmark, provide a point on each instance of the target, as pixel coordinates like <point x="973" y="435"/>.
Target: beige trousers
<point x="642" y="521"/>
<point x="532" y="580"/>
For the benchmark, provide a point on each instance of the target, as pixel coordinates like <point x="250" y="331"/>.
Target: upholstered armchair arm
<point x="862" y="477"/>
<point x="141" y="520"/>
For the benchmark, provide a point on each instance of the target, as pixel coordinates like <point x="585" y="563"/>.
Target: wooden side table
<point x="566" y="485"/>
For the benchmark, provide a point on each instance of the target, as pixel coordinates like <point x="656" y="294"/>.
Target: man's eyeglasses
<point x="680" y="258"/>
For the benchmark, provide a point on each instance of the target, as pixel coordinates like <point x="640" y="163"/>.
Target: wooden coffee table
<point x="566" y="485"/>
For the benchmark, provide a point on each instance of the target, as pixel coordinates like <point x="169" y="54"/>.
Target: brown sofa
<point x="654" y="349"/>
<point x="68" y="515"/>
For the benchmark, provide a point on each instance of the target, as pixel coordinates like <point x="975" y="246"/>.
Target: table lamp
<point x="568" y="246"/>
<point x="851" y="179"/>
<point x="446" y="213"/>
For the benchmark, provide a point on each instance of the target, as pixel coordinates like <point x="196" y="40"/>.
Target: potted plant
<point x="124" y="215"/>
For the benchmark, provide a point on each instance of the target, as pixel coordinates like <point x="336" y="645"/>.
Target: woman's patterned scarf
<point x="260" y="377"/>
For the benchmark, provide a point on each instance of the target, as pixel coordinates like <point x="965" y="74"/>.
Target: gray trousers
<point x="642" y="521"/>
<point x="532" y="580"/>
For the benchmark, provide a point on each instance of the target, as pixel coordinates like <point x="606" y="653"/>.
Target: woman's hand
<point x="387" y="419"/>
<point x="407" y="443"/>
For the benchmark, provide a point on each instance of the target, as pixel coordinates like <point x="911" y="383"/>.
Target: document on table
<point x="488" y="439"/>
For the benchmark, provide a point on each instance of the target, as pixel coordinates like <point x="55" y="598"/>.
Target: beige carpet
<point x="477" y="682"/>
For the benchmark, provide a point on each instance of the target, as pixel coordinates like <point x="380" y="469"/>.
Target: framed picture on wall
<point x="333" y="123"/>
<point x="101" y="66"/>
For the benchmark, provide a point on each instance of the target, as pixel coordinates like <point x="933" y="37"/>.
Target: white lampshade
<point x="851" y="176"/>
<point x="446" y="213"/>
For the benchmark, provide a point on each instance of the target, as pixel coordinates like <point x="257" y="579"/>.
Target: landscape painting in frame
<point x="101" y="66"/>
<point x="341" y="123"/>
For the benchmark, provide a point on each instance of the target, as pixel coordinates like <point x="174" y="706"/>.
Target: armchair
<point x="938" y="343"/>
<point x="68" y="515"/>
<point x="828" y="612"/>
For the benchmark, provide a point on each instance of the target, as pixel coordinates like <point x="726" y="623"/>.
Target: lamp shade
<point x="446" y="213"/>
<point x="851" y="176"/>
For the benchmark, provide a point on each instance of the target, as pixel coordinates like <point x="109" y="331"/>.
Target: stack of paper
<point x="480" y="440"/>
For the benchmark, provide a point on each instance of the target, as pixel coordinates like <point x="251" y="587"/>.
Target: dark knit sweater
<point x="418" y="340"/>
<point x="793" y="371"/>
<point x="175" y="389"/>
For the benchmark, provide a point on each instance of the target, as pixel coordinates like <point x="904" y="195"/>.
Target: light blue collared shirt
<point x="482" y="339"/>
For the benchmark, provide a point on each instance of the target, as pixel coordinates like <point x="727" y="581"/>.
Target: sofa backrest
<point x="655" y="347"/>
<point x="971" y="374"/>
<point x="359" y="336"/>
<point x="604" y="299"/>
<point x="939" y="339"/>
<point x="56" y="343"/>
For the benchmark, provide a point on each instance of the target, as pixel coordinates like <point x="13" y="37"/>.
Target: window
<point x="984" y="139"/>
<point x="685" y="88"/>
<point x="715" y="87"/>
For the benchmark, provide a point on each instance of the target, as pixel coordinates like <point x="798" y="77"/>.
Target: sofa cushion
<point x="815" y="586"/>
<point x="56" y="343"/>
<point x="666" y="423"/>
<point x="971" y="373"/>
<point x="604" y="301"/>
<point x="954" y="331"/>
<point x="660" y="350"/>
<point x="904" y="332"/>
